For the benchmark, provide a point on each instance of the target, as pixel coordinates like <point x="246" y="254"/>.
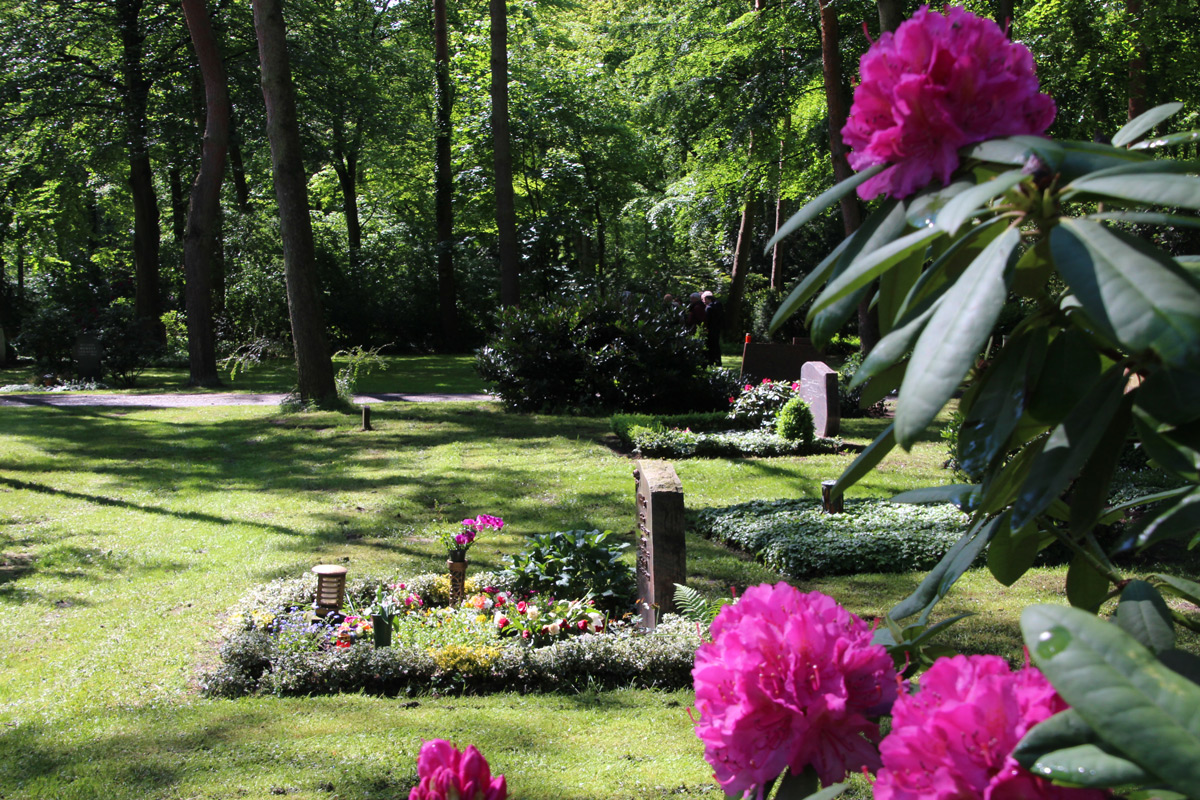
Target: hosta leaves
<point x="822" y="202"/>
<point x="1145" y="711"/>
<point x="1126" y="287"/>
<point x="1144" y="123"/>
<point x="952" y="339"/>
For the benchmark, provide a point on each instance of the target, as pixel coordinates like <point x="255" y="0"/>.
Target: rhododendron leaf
<point x="967" y="203"/>
<point x="802" y="787"/>
<point x="870" y="266"/>
<point x="828" y="321"/>
<point x="923" y="208"/>
<point x="1090" y="493"/>
<point x="884" y="383"/>
<point x="1069" y="446"/>
<point x="1180" y="587"/>
<point x="1013" y="150"/>
<point x="809" y="286"/>
<point x="1146" y="187"/>
<point x="995" y="403"/>
<point x="1166" y="452"/>
<point x="1012" y="553"/>
<point x="1087" y="588"/>
<point x="1070" y="369"/>
<point x="1088" y="766"/>
<point x="866" y="460"/>
<point x="1169" y="395"/>
<point x="1083" y="158"/>
<point x="1144" y="123"/>
<point x="942" y="577"/>
<point x="1143" y="614"/>
<point x="1000" y="485"/>
<point x="1169" y="140"/>
<point x="1180" y="521"/>
<point x="1146" y="218"/>
<point x="823" y="201"/>
<point x="1140" y="707"/>
<point x="894" y="285"/>
<point x="879" y="229"/>
<point x="1064" y="729"/>
<point x="952" y="339"/>
<point x="1034" y="269"/>
<point x="951" y="263"/>
<point x="892" y="347"/>
<point x="962" y="495"/>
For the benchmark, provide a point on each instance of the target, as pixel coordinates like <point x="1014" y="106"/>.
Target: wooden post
<point x="366" y="414"/>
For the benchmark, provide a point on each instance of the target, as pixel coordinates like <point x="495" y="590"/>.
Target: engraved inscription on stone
<point x="661" y="557"/>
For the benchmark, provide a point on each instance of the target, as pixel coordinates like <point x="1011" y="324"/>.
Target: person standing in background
<point x="714" y="319"/>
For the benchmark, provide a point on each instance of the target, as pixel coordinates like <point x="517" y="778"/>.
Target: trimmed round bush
<point x="795" y="422"/>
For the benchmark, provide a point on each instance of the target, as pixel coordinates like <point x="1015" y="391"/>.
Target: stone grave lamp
<point x="331" y="588"/>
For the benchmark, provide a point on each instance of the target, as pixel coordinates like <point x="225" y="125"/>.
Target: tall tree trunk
<point x="241" y="189"/>
<point x="891" y="14"/>
<point x="179" y="203"/>
<point x="200" y="241"/>
<point x="443" y="179"/>
<point x="146" y="232"/>
<point x="780" y="216"/>
<point x="835" y="97"/>
<point x="506" y="217"/>
<point x="1004" y="15"/>
<point x="314" y="366"/>
<point x="1138" y="104"/>
<point x="345" y="164"/>
<point x="741" y="266"/>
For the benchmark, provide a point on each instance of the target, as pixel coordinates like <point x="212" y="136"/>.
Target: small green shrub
<point x="795" y="422"/>
<point x="129" y="344"/>
<point x="799" y="540"/>
<point x="573" y="563"/>
<point x="759" y="403"/>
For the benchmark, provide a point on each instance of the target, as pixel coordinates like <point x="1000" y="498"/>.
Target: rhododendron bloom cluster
<point x="953" y="739"/>
<point x="447" y="774"/>
<point x="789" y="680"/>
<point x="938" y="83"/>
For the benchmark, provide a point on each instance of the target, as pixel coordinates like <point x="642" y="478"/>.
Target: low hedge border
<point x="623" y="656"/>
<point x="709" y="436"/>
<point x="799" y="540"/>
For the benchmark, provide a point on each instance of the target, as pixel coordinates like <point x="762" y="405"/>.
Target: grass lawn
<point x="125" y="534"/>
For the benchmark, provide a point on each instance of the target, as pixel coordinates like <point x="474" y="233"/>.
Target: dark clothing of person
<point x="714" y="320"/>
<point x="695" y="315"/>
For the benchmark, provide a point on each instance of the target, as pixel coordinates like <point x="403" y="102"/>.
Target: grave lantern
<point x="331" y="588"/>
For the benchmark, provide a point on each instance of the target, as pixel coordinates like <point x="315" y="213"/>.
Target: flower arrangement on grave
<point x="759" y="403"/>
<point x="973" y="204"/>
<point x="539" y="619"/>
<point x="458" y="539"/>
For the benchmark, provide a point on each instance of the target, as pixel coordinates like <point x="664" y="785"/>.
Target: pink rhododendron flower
<point x="938" y="83"/>
<point x="953" y="739"/>
<point x="447" y="774"/>
<point x="790" y="679"/>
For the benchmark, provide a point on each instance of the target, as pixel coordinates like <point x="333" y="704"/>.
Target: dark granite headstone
<point x="779" y="362"/>
<point x="661" y="555"/>
<point x="819" y="388"/>
<point x="88" y="353"/>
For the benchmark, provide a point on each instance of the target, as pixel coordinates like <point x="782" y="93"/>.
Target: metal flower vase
<point x="457" y="565"/>
<point x="381" y="630"/>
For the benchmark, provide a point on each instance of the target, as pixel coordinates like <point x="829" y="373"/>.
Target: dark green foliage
<point x="129" y="346"/>
<point x="599" y="355"/>
<point x="47" y="336"/>
<point x="572" y="563"/>
<point x="797" y="538"/>
<point x="759" y="443"/>
<point x="795" y="422"/>
<point x="711" y="421"/>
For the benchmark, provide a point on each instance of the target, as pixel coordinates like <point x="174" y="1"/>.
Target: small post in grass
<point x="366" y="426"/>
<point x="832" y="503"/>
<point x="331" y="588"/>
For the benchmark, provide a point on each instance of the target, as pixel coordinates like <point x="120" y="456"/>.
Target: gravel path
<point x="198" y="400"/>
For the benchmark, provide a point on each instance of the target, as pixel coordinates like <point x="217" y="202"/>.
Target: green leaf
<point x="1149" y="187"/>
<point x="823" y="201"/>
<point x="1180" y="587"/>
<point x="1011" y="150"/>
<point x="1091" y="490"/>
<point x="942" y="577"/>
<point x="951" y="263"/>
<point x="1064" y="729"/>
<point x="1180" y="521"/>
<point x="922" y="209"/>
<point x="1169" y="396"/>
<point x="1070" y="444"/>
<point x="1146" y="218"/>
<point x="1165" y="451"/>
<point x="1011" y="554"/>
<point x="809" y="286"/>
<point x="1070" y="369"/>
<point x="829" y="321"/>
<point x="953" y="338"/>
<point x="997" y="401"/>
<point x="1033" y="271"/>
<point x="965" y="204"/>
<point x="1088" y="766"/>
<point x="870" y="266"/>
<point x="962" y="495"/>
<point x="1144" y="123"/>
<point x="1143" y="614"/>
<point x="1169" y="140"/>
<point x="1086" y="587"/>
<point x="883" y="383"/>
<point x="867" y="460"/>
<point x="1000" y="485"/>
<point x="1128" y="288"/>
<point x="879" y="229"/>
<point x="893" y="347"/>
<point x="1147" y="712"/>
<point x="1083" y="158"/>
<point x="894" y="285"/>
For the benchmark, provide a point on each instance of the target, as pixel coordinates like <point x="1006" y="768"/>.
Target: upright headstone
<point x="661" y="555"/>
<point x="88" y="352"/>
<point x="819" y="388"/>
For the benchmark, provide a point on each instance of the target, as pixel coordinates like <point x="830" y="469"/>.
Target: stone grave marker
<point x="819" y="388"/>
<point x="88" y="353"/>
<point x="661" y="554"/>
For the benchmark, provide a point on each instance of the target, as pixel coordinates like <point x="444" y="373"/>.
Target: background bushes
<point x="601" y="354"/>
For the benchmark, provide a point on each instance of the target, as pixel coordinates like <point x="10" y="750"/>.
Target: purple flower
<point x="447" y="774"/>
<point x="462" y="539"/>
<point x="935" y="85"/>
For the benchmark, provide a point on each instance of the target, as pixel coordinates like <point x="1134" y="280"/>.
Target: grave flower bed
<point x="496" y="640"/>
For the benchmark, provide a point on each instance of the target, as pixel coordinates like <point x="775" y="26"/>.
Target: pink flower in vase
<point x="938" y="83"/>
<point x="953" y="739"/>
<point x="789" y="680"/>
<point x="447" y="774"/>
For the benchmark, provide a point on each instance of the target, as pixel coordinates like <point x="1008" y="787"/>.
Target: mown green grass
<point x="126" y="534"/>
